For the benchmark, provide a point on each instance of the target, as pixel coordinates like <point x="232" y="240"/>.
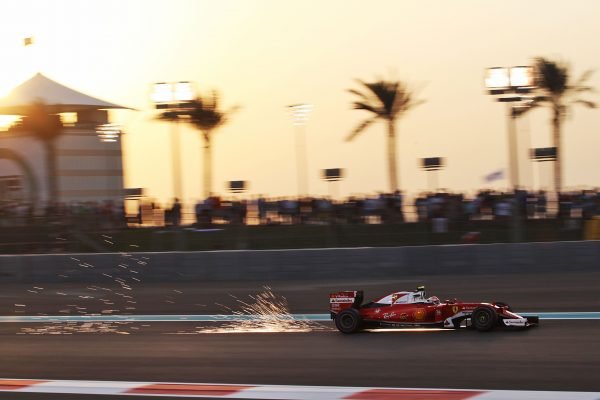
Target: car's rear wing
<point x="341" y="300"/>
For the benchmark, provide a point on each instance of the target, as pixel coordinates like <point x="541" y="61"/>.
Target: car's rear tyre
<point x="348" y="321"/>
<point x="484" y="318"/>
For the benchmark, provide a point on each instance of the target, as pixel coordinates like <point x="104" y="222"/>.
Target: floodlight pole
<point x="300" y="116"/>
<point x="176" y="159"/>
<point x="512" y="81"/>
<point x="170" y="97"/>
<point x="512" y="146"/>
<point x="107" y="134"/>
<point x="515" y="80"/>
<point x="301" y="162"/>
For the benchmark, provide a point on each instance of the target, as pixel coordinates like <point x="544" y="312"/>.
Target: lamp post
<point x="510" y="84"/>
<point x="300" y="114"/>
<point x="172" y="98"/>
<point x="108" y="133"/>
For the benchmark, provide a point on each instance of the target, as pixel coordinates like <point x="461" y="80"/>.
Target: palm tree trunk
<point x="51" y="178"/>
<point x="392" y="168"/>
<point x="556" y="137"/>
<point x="207" y="165"/>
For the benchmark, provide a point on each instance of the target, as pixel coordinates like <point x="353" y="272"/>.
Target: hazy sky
<point x="265" y="54"/>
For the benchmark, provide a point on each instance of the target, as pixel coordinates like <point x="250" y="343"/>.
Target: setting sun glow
<point x="264" y="55"/>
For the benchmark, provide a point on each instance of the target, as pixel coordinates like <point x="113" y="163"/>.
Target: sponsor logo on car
<point x="515" y="322"/>
<point x="341" y="300"/>
<point x="419" y="314"/>
<point x="389" y="315"/>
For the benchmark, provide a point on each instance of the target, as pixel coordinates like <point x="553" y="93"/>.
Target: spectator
<point x="176" y="213"/>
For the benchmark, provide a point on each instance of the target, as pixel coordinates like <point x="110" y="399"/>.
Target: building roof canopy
<point x="58" y="97"/>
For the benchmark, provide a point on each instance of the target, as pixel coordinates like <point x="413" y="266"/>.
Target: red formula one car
<point x="415" y="309"/>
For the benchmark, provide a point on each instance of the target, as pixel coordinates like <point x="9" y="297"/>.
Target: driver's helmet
<point x="433" y="299"/>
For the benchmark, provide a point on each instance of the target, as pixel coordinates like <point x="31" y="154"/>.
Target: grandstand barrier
<point x="306" y="264"/>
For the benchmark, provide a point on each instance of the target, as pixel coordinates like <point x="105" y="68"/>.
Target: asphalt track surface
<point x="558" y="355"/>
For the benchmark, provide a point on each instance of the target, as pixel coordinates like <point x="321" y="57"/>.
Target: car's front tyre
<point x="484" y="318"/>
<point x="348" y="321"/>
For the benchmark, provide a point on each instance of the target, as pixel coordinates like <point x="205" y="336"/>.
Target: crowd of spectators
<point x="391" y="208"/>
<point x="104" y="214"/>
<point x="493" y="205"/>
<point x="383" y="208"/>
<point x="376" y="209"/>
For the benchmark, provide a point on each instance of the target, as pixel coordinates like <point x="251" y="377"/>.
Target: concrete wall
<point x="310" y="264"/>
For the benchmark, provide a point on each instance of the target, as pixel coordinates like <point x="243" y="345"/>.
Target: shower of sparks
<point x="263" y="313"/>
<point x="57" y="328"/>
<point x="115" y="296"/>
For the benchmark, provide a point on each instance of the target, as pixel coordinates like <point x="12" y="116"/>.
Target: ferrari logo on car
<point x="455" y="309"/>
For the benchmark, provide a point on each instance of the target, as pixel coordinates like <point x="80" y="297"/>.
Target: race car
<point x="415" y="309"/>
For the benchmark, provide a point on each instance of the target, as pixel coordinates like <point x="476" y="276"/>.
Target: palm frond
<point x="584" y="77"/>
<point x="385" y="98"/>
<point x="587" y="103"/>
<point x="203" y="113"/>
<point x="232" y="110"/>
<point x="359" y="94"/>
<point x="582" y="89"/>
<point x="360" y="128"/>
<point x="358" y="105"/>
<point x="386" y="93"/>
<point x="406" y="102"/>
<point x="551" y="76"/>
<point x="215" y="100"/>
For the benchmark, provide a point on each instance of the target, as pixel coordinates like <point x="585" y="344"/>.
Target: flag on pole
<point x="494" y="176"/>
<point x="28" y="41"/>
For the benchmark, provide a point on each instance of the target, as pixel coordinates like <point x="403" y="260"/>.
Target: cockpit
<point x="418" y="296"/>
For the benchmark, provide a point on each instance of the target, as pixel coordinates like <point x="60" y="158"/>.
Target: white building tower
<point x="88" y="161"/>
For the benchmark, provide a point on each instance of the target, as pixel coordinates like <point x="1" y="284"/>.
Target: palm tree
<point x="387" y="101"/>
<point x="46" y="127"/>
<point x="204" y="114"/>
<point x="559" y="93"/>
